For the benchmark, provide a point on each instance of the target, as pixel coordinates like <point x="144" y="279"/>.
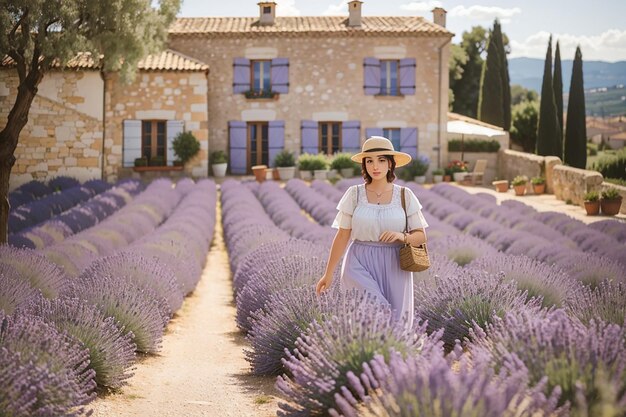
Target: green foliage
<point x="186" y="146"/>
<point x="456" y="166"/>
<point x="458" y="60"/>
<point x="416" y="168"/>
<point x="524" y="126"/>
<point x="592" y="148"/>
<point x="616" y="181"/>
<point x="592" y="196"/>
<point x="520" y="94"/>
<point x="557" y="84"/>
<point x="473" y="145"/>
<point x="466" y="89"/>
<point x="310" y="162"/>
<point x="537" y="180"/>
<point x="611" y="194"/>
<point x="520" y="180"/>
<point x="549" y="136"/>
<point x="504" y="75"/>
<point x="490" y="100"/>
<point x="218" y="157"/>
<point x="576" y="132"/>
<point x="156" y="161"/>
<point x="284" y="159"/>
<point x="342" y="161"/>
<point x="438" y="171"/>
<point x="141" y="162"/>
<point x="612" y="166"/>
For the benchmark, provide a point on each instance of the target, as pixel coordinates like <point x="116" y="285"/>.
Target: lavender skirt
<point x="375" y="267"/>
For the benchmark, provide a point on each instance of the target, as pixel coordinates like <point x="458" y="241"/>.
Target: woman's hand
<point x="390" y="237"/>
<point x="323" y="284"/>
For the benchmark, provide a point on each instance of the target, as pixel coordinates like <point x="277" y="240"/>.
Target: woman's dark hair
<point x="390" y="174"/>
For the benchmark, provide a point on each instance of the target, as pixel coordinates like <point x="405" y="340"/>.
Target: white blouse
<point x="368" y="220"/>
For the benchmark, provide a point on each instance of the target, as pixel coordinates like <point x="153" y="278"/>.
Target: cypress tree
<point x="557" y="82"/>
<point x="548" y="129"/>
<point x="504" y="74"/>
<point x="576" y="132"/>
<point x="490" y="107"/>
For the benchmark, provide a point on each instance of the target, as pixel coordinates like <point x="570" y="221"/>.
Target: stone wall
<point x="513" y="163"/>
<point x="326" y="84"/>
<point x="573" y="183"/>
<point x="472" y="157"/>
<point x="63" y="135"/>
<point x="164" y="95"/>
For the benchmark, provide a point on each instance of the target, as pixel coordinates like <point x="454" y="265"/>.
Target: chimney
<point x="267" y="13"/>
<point x="354" y="7"/>
<point x="439" y="16"/>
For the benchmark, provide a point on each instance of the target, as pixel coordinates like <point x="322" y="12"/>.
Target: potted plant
<point x="157" y="161"/>
<point x="342" y="163"/>
<point x="539" y="184"/>
<point x="519" y="184"/>
<point x="259" y="172"/>
<point x="592" y="203"/>
<point x="502" y="186"/>
<point x="320" y="167"/>
<point x="185" y="146"/>
<point x="285" y="163"/>
<point x="141" y="162"/>
<point x="611" y="201"/>
<point x="458" y="170"/>
<point x="305" y="166"/>
<point x="219" y="163"/>
<point x="416" y="170"/>
<point x="438" y="175"/>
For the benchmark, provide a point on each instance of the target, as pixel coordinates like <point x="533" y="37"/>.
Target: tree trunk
<point x="18" y="117"/>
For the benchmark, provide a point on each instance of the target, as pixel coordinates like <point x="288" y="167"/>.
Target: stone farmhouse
<point x="249" y="86"/>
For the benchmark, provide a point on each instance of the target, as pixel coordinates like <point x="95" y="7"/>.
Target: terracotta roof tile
<point x="370" y="25"/>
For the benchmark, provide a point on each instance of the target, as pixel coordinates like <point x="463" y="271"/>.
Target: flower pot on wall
<point x="520" y="189"/>
<point x="459" y="176"/>
<point x="539" y="188"/>
<point x="502" y="186"/>
<point x="347" y="172"/>
<point x="306" y="175"/>
<point x="420" y="179"/>
<point x="610" y="207"/>
<point x="286" y="173"/>
<point x="259" y="172"/>
<point x="219" y="170"/>
<point x="320" y="174"/>
<point x="437" y="179"/>
<point x="592" y="207"/>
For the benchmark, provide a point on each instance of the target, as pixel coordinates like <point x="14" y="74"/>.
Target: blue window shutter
<point x="132" y="142"/>
<point x="407" y="76"/>
<point x="310" y="139"/>
<point x="276" y="139"/>
<point x="371" y="76"/>
<point x="373" y="131"/>
<point x="351" y="136"/>
<point x="280" y="75"/>
<point x="238" y="133"/>
<point x="408" y="141"/>
<point x="241" y="75"/>
<point x="173" y="128"/>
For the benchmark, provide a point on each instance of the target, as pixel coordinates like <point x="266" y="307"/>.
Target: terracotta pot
<point x="610" y="207"/>
<point x="592" y="207"/>
<point x="447" y="178"/>
<point x="539" y="188"/>
<point x="502" y="186"/>
<point x="259" y="172"/>
<point x="520" y="189"/>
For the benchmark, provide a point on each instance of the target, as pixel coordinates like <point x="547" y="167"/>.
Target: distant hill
<point x="528" y="72"/>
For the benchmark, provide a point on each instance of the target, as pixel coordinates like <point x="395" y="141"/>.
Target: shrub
<point x="612" y="166"/>
<point x="592" y="196"/>
<point x="305" y="162"/>
<point x="610" y="194"/>
<point x="218" y="157"/>
<point x="456" y="166"/>
<point x="462" y="249"/>
<point x="519" y="180"/>
<point x="473" y="145"/>
<point x="438" y="171"/>
<point x="157" y="161"/>
<point x="416" y="168"/>
<point x="284" y="159"/>
<point x="606" y="302"/>
<point x="342" y="161"/>
<point x="14" y="291"/>
<point x="186" y="146"/>
<point x="34" y="268"/>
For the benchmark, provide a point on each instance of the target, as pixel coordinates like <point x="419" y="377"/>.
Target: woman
<point x="371" y="223"/>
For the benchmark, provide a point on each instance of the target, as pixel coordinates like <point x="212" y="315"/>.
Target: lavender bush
<point x="14" y="291"/>
<point x="462" y="249"/>
<point x="42" y="372"/>
<point x="328" y="350"/>
<point x="63" y="182"/>
<point x="111" y="353"/>
<point x="592" y="269"/>
<point x="606" y="302"/>
<point x="35" y="269"/>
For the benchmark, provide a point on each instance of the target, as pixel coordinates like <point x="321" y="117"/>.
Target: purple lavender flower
<point x="330" y="349"/>
<point x="611" y="227"/>
<point x="462" y="249"/>
<point x="111" y="353"/>
<point x="606" y="302"/>
<point x="592" y="269"/>
<point x="34" y="268"/>
<point x="63" y="182"/>
<point x="42" y="372"/>
<point x="15" y="292"/>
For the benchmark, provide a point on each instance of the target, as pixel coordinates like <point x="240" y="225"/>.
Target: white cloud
<point x="421" y="6"/>
<point x="607" y="46"/>
<point x="340" y="9"/>
<point x="485" y="13"/>
<point x="286" y="8"/>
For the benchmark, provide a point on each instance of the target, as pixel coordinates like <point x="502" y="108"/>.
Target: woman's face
<point x="377" y="167"/>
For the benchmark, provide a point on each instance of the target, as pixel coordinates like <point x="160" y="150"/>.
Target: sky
<point x="599" y="27"/>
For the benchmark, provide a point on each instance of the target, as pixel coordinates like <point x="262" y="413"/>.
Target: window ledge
<point x="159" y="168"/>
<point x="262" y="99"/>
<point x="389" y="97"/>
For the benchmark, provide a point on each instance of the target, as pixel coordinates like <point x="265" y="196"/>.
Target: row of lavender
<point x="36" y="189"/>
<point x="78" y="310"/>
<point x="330" y="363"/>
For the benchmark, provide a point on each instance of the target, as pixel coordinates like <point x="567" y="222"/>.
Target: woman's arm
<point x="340" y="242"/>
<point x="415" y="237"/>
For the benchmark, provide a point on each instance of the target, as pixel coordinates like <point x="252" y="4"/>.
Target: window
<point x="267" y="9"/>
<point x="389" y="77"/>
<point x="153" y="141"/>
<point x="329" y="137"/>
<point x="394" y="136"/>
<point x="260" y="76"/>
<point x="258" y="144"/>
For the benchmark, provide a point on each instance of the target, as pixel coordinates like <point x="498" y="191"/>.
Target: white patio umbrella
<point x="463" y="128"/>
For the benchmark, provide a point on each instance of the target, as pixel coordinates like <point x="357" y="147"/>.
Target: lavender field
<point x="521" y="314"/>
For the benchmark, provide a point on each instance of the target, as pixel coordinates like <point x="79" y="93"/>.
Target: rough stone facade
<point x="514" y="163"/>
<point x="63" y="135"/>
<point x="156" y="95"/>
<point x="573" y="183"/>
<point x="326" y="84"/>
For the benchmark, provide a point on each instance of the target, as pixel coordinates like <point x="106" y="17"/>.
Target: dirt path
<point x="201" y="370"/>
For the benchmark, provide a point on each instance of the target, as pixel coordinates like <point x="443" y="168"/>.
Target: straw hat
<point x="378" y="145"/>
